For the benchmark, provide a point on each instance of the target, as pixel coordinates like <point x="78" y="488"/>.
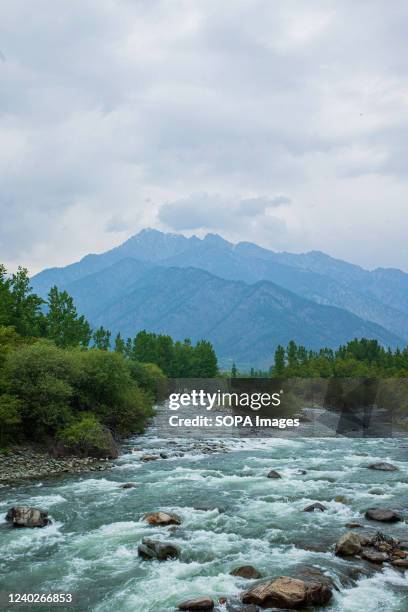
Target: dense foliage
<point x="62" y="385"/>
<point x="357" y="359"/>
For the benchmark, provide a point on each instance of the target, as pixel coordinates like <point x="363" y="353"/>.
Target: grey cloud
<point x="212" y="211"/>
<point x="105" y="104"/>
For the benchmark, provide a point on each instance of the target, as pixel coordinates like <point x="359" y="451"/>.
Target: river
<point x="231" y="515"/>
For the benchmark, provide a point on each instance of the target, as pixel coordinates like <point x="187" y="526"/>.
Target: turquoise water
<point x="232" y="515"/>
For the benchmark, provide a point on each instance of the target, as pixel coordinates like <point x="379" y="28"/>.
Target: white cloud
<point x="115" y="114"/>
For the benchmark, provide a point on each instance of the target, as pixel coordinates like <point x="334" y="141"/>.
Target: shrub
<point x="87" y="437"/>
<point x="39" y="376"/>
<point x="105" y="386"/>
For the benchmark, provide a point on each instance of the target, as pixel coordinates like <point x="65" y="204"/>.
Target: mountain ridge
<point x="108" y="287"/>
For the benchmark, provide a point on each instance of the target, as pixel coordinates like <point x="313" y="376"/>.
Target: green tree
<point x="120" y="345"/>
<point x="292" y="354"/>
<point x="19" y="307"/>
<point x="204" y="360"/>
<point x="40" y="376"/>
<point x="10" y="417"/>
<point x="234" y="371"/>
<point x="101" y="339"/>
<point x="64" y="326"/>
<point x="279" y="366"/>
<point x="105" y="386"/>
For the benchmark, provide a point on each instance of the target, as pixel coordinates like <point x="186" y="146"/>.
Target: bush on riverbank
<point x="56" y="391"/>
<point x="49" y="393"/>
<point x="86" y="437"/>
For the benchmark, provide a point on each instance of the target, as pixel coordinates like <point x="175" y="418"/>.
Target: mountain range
<point x="243" y="298"/>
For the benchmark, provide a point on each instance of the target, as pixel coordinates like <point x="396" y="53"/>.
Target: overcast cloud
<point x="284" y="123"/>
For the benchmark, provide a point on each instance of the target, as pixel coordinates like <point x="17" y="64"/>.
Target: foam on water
<point x="232" y="514"/>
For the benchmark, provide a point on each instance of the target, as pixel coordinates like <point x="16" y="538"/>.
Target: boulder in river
<point x="162" y="518"/>
<point x="200" y="603"/>
<point x="385" y="515"/>
<point x="316" y="506"/>
<point x="349" y="544"/>
<point x="374" y="555"/>
<point x="289" y="593"/>
<point x="403" y="563"/>
<point x="24" y="516"/>
<point x="353" y="525"/>
<point x="273" y="474"/>
<point x="383" y="466"/>
<point x="128" y="485"/>
<point x="246" y="571"/>
<point x="146" y="458"/>
<point x="154" y="549"/>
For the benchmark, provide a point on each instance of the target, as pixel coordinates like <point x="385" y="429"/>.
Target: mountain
<point x="126" y="294"/>
<point x="379" y="296"/>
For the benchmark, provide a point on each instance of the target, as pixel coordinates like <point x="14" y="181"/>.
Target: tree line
<point x="359" y="358"/>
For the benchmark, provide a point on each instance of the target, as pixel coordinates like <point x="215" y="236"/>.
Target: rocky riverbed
<point x="184" y="524"/>
<point x="25" y="463"/>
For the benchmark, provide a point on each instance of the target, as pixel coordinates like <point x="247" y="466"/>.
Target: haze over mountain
<point x="210" y="288"/>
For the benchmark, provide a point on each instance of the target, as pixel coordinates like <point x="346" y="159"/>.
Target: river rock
<point x="200" y="603"/>
<point x="316" y="506"/>
<point x="162" y="518"/>
<point x="385" y="515"/>
<point x="383" y="466"/>
<point x="309" y="573"/>
<point x="273" y="474"/>
<point x="289" y="593"/>
<point x="154" y="549"/>
<point x="397" y="553"/>
<point x="349" y="544"/>
<point x="353" y="525"/>
<point x="127" y="485"/>
<point x="373" y="555"/>
<point x="246" y="571"/>
<point x="24" y="516"/>
<point x="403" y="563"/>
<point x="146" y="458"/>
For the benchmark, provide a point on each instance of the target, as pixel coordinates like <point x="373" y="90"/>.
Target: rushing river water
<point x="231" y="515"/>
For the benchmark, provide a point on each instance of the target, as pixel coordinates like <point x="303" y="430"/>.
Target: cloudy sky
<point x="283" y="122"/>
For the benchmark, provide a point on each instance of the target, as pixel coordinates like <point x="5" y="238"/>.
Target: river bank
<point x="26" y="463"/>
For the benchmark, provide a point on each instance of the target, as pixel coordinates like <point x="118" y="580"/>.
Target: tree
<point x="204" y="362"/>
<point x="10" y="416"/>
<point x="6" y="299"/>
<point x="64" y="326"/>
<point x="145" y="347"/>
<point x="120" y="345"/>
<point x="19" y="307"/>
<point x="292" y="354"/>
<point x="279" y="366"/>
<point x="234" y="371"/>
<point x="101" y="339"/>
<point x="40" y="376"/>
